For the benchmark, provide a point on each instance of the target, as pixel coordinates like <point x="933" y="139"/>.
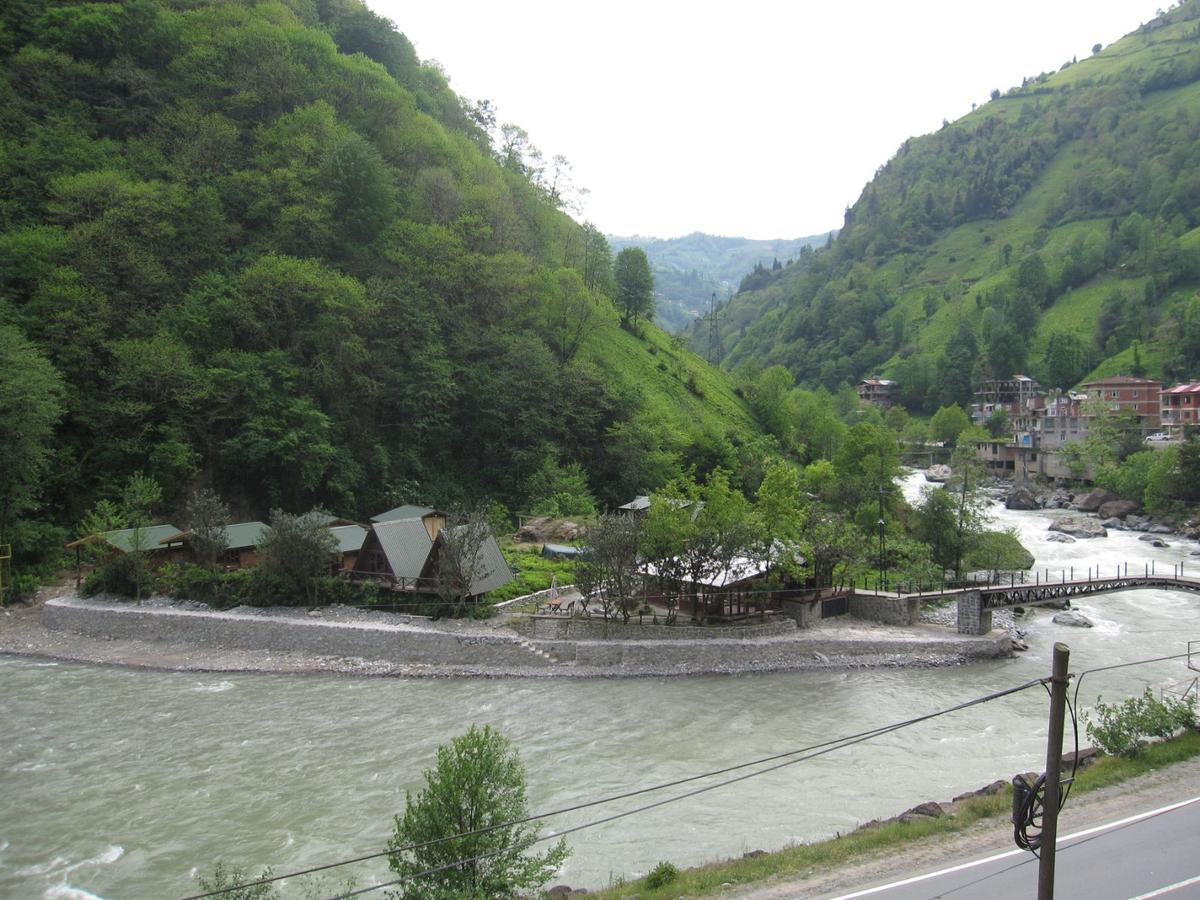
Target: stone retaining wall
<point x="776" y="654"/>
<point x="886" y="610"/>
<point x="508" y="653"/>
<point x="567" y="628"/>
<point x="239" y="631"/>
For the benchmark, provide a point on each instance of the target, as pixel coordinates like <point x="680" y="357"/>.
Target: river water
<point x="121" y="783"/>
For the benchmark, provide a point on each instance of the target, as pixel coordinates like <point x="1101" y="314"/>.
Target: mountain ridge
<point x="1052" y="229"/>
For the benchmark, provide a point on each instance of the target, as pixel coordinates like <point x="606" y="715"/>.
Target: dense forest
<point x="259" y="247"/>
<point x="1053" y="230"/>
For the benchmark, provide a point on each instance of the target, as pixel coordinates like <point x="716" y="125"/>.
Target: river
<point x="122" y="783"/>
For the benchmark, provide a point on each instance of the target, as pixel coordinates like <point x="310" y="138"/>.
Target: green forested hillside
<point x="258" y="246"/>
<point x="689" y="270"/>
<point x="1054" y="230"/>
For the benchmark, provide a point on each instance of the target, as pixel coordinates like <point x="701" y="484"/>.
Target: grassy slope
<point x="661" y="370"/>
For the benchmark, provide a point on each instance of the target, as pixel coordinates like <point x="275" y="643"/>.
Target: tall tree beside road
<point x="477" y="785"/>
<point x="635" y="284"/>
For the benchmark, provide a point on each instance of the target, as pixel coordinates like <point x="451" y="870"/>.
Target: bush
<point x="114" y="575"/>
<point x="661" y="875"/>
<point x="1120" y="729"/>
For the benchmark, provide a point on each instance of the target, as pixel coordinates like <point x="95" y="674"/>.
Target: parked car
<point x="1159" y="436"/>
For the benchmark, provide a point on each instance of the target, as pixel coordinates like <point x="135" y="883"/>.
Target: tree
<point x="724" y="530"/>
<point x="297" y="550"/>
<point x="666" y="530"/>
<point x="635" y="284"/>
<point x="207" y="516"/>
<point x="780" y="512"/>
<point x="568" y="311"/>
<point x="947" y="424"/>
<point x="138" y="500"/>
<point x="31" y="395"/>
<point x="470" y="796"/>
<point x="461" y="562"/>
<point x="609" y="569"/>
<point x="952" y="519"/>
<point x="1066" y="360"/>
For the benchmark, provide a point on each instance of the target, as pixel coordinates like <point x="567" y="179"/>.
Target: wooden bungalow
<point x="350" y="540"/>
<point x="407" y="511"/>
<point x="402" y="553"/>
<point x="241" y="543"/>
<point x="156" y="540"/>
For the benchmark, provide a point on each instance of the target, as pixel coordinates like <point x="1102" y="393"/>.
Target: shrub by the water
<point x="1121" y="729"/>
<point x="661" y="875"/>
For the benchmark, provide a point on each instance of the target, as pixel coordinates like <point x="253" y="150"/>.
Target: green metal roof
<point x="349" y="537"/>
<point x="406" y="545"/>
<point x="152" y="536"/>
<point x="493" y="570"/>
<point x="245" y="534"/>
<point x="407" y="511"/>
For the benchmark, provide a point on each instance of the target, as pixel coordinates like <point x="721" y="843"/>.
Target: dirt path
<point x="1160" y="788"/>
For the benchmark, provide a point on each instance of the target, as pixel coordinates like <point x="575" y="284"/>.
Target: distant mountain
<point x="1053" y="231"/>
<point x="689" y="270"/>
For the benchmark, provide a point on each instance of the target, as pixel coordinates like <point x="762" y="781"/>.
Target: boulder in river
<point x="938" y="473"/>
<point x="1160" y="529"/>
<point x="1080" y="528"/>
<point x="1072" y="618"/>
<point x="1147" y="538"/>
<point x="1114" y="522"/>
<point x="1093" y="500"/>
<point x="1021" y="498"/>
<point x="1159" y="543"/>
<point x="1055" y="537"/>
<point x="1117" y="509"/>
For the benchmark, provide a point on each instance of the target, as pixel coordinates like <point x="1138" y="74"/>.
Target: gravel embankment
<point x="837" y="644"/>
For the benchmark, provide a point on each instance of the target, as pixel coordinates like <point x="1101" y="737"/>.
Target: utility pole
<point x="1053" y="788"/>
<point x="715" y="350"/>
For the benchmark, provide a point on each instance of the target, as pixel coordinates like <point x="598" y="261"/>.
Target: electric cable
<point x="829" y="747"/>
<point x="1028" y="815"/>
<point x="833" y="744"/>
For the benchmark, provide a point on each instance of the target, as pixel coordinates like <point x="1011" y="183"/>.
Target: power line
<point x="832" y="744"/>
<point x="828" y="747"/>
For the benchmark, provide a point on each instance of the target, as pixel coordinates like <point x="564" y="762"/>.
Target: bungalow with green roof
<point x="350" y="539"/>
<point x="241" y="543"/>
<point x="403" y="554"/>
<point x="157" y="540"/>
<point x="407" y="511"/>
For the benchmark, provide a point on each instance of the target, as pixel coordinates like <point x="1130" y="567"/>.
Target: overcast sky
<point x="752" y="118"/>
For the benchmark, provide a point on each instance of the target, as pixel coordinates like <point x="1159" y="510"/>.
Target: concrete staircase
<point x="546" y="657"/>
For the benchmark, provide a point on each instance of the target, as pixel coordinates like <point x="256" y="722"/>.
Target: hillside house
<point x="1017" y="396"/>
<point x="1125" y="394"/>
<point x="877" y="391"/>
<point x="1180" y="408"/>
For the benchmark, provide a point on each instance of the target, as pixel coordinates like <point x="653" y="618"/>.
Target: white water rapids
<point x="121" y="783"/>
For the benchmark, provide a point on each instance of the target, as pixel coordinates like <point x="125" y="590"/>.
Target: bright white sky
<point x="759" y="119"/>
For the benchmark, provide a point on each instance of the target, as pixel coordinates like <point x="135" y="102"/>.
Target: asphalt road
<point x="1155" y="853"/>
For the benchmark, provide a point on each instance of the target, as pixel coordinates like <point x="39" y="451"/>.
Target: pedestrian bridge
<point x="975" y="605"/>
